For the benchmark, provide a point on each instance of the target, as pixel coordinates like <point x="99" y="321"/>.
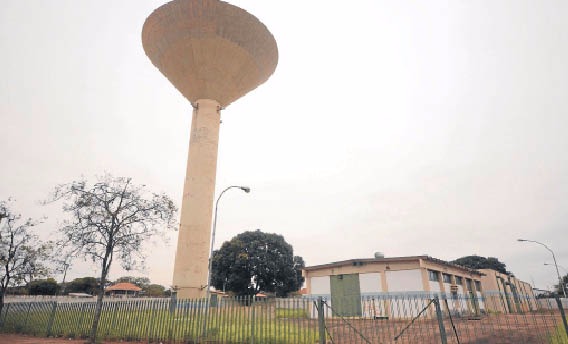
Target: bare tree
<point x="22" y="254"/>
<point x="110" y="220"/>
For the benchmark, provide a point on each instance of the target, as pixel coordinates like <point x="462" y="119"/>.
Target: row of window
<point x="434" y="276"/>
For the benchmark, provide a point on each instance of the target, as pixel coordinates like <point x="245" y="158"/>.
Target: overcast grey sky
<point x="405" y="127"/>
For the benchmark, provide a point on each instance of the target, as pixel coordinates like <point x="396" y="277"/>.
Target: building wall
<point x="370" y="282"/>
<point x="404" y="281"/>
<point x="501" y="293"/>
<point x="507" y="294"/>
<point x="379" y="268"/>
<point x="320" y="285"/>
<point x="391" y="276"/>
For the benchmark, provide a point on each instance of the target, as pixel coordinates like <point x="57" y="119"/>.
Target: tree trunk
<point x="98" y="308"/>
<point x="2" y="293"/>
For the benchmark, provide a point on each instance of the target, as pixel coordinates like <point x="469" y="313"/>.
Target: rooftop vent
<point x="379" y="255"/>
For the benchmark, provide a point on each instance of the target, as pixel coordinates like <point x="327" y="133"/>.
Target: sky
<point x="403" y="127"/>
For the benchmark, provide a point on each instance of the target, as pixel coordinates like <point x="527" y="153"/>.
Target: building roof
<point x="350" y="262"/>
<point x="123" y="287"/>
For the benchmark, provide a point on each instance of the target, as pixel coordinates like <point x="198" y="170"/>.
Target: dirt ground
<point x="20" y="339"/>
<point x="17" y="339"/>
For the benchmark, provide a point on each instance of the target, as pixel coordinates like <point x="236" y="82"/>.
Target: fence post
<point x="173" y="301"/>
<point x="559" y="303"/>
<point x="27" y="316"/>
<point x="252" y="323"/>
<point x="443" y="336"/>
<point x="173" y="307"/>
<point x="51" y="318"/>
<point x="6" y="308"/>
<point x="321" y="320"/>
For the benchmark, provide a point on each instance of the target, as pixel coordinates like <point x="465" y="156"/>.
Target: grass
<point x="288" y="313"/>
<point x="559" y="336"/>
<point x="153" y="321"/>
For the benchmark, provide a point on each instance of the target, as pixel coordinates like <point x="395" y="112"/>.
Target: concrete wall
<point x="391" y="287"/>
<point x="404" y="281"/>
<point x="506" y="294"/>
<point x="434" y="286"/>
<point x="320" y="285"/>
<point x="370" y="283"/>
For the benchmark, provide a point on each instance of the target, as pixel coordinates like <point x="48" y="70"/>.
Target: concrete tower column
<point x="190" y="267"/>
<point x="208" y="49"/>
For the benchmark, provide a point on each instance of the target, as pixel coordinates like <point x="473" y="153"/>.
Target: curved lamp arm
<point x="560" y="284"/>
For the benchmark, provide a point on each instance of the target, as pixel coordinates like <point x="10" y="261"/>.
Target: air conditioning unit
<point x="454" y="288"/>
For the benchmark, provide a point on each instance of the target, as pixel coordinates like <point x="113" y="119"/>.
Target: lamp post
<point x="245" y="189"/>
<point x="66" y="265"/>
<point x="560" y="266"/>
<point x="565" y="271"/>
<point x="207" y="291"/>
<point x="560" y="284"/>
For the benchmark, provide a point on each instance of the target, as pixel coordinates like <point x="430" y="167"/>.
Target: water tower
<point x="213" y="53"/>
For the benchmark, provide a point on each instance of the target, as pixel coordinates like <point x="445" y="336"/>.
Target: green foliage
<point x="109" y="221"/>
<point x="153" y="290"/>
<point x="23" y="256"/>
<point x="559" y="336"/>
<point x="558" y="288"/>
<point x="255" y="261"/>
<point x="477" y="262"/>
<point x="148" y="289"/>
<point x="153" y="322"/>
<point x="43" y="287"/>
<point x="18" y="290"/>
<point x="139" y="281"/>
<point x="86" y="285"/>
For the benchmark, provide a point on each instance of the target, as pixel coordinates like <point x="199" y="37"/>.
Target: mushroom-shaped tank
<point x="209" y="49"/>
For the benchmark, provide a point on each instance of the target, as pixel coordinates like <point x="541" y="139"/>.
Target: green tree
<point x="110" y="220"/>
<point x="139" y="281"/>
<point x="559" y="290"/>
<point x="299" y="264"/>
<point x="22" y="254"/>
<point x="43" y="287"/>
<point x="255" y="261"/>
<point x="477" y="262"/>
<point x="154" y="290"/>
<point x="86" y="285"/>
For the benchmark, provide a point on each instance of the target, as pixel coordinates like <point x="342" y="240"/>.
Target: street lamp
<point x="245" y="189"/>
<point x="560" y="266"/>
<point x="66" y="265"/>
<point x="560" y="284"/>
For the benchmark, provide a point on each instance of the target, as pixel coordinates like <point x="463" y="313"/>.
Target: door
<point x="346" y="295"/>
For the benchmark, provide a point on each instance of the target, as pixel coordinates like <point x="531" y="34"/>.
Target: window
<point x="478" y="286"/>
<point x="468" y="284"/>
<point x="447" y="278"/>
<point x="433" y="276"/>
<point x="459" y="280"/>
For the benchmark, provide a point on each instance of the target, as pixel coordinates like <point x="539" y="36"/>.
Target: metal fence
<point x="446" y="318"/>
<point x="378" y="318"/>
